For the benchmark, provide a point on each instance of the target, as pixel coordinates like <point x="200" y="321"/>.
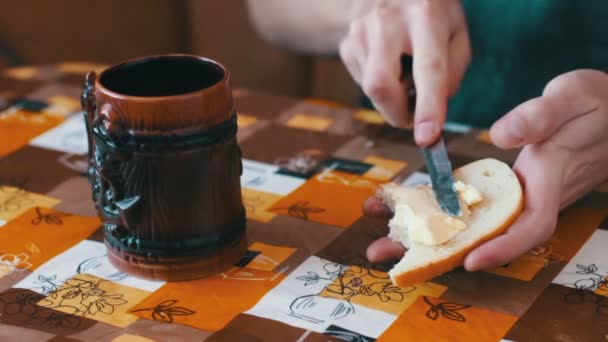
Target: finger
<point x="430" y="37"/>
<point x="459" y="59"/>
<point x="384" y="249"/>
<point x="353" y="50"/>
<point x="374" y="206"/>
<point x="538" y="119"/>
<point x="535" y="224"/>
<point x="386" y="40"/>
<point x="351" y="62"/>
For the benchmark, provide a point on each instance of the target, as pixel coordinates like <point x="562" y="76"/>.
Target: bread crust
<point x="437" y="268"/>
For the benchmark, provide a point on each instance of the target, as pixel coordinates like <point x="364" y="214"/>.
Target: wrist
<point x="315" y="26"/>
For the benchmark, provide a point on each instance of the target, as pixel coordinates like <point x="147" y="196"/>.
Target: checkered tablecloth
<point x="308" y="167"/>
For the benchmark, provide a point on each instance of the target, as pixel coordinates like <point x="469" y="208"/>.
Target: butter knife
<point x="440" y="170"/>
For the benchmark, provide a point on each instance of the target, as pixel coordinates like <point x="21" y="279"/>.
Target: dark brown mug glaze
<point x="165" y="166"/>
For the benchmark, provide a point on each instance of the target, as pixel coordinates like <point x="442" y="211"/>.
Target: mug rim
<point x="219" y="84"/>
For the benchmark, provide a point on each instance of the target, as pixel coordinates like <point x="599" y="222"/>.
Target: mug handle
<point x="89" y="107"/>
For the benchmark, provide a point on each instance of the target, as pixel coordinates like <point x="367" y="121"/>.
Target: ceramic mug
<point x="165" y="166"/>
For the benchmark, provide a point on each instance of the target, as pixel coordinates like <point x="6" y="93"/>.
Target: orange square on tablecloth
<point x="245" y="120"/>
<point x="331" y="197"/>
<point x="19" y="127"/>
<point x="384" y="169"/>
<point x="81" y="67"/>
<point x="95" y="298"/>
<point x="369" y="116"/>
<point x="602" y="290"/>
<point x="270" y="256"/>
<point x="208" y="303"/>
<point x="325" y="103"/>
<point x="310" y="122"/>
<point x="15" y="201"/>
<point x="433" y="319"/>
<point x="21" y="73"/>
<point x="43" y="233"/>
<point x="64" y="104"/>
<point x="257" y="204"/>
<point x="523" y="268"/>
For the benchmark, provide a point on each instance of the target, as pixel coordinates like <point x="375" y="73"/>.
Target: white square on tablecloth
<point x="295" y="301"/>
<point x="70" y="137"/>
<point x="589" y="266"/>
<point x="263" y="177"/>
<point x="85" y="257"/>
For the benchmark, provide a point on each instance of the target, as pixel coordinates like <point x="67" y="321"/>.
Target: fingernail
<point x="425" y="132"/>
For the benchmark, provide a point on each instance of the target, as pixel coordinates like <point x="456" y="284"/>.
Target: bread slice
<point x="502" y="202"/>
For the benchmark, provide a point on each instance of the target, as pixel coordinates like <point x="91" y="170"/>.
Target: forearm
<point x="312" y="26"/>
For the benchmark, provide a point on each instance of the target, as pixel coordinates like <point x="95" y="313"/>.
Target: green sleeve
<point x="519" y="46"/>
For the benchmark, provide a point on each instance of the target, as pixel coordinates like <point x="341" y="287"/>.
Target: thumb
<point x="538" y="119"/>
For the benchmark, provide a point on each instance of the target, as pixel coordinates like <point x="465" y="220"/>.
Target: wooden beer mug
<point x="165" y="166"/>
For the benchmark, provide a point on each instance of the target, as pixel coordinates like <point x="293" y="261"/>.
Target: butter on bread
<point x="491" y="197"/>
<point x="418" y="215"/>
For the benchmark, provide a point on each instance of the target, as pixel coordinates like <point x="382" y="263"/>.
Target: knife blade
<point x="440" y="170"/>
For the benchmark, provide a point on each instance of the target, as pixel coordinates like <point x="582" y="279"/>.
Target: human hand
<point x="564" y="135"/>
<point x="435" y="34"/>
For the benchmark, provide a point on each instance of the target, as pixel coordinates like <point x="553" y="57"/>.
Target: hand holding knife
<point x="435" y="156"/>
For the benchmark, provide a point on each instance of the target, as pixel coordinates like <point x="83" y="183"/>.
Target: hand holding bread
<point x="565" y="154"/>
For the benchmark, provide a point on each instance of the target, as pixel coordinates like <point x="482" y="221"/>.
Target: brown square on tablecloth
<point x="46" y="92"/>
<point x="252" y="128"/>
<point x="35" y="169"/>
<point x="252" y="328"/>
<point x="593" y="199"/>
<point x="350" y="247"/>
<point x="16" y="275"/>
<point x="604" y="224"/>
<point x="264" y="106"/>
<point x="360" y="148"/>
<point x="279" y="142"/>
<point x="75" y="196"/>
<point x="18" y="307"/>
<point x="563" y="314"/>
<point x="340" y="119"/>
<point x="398" y="135"/>
<point x="292" y="232"/>
<point x="496" y="293"/>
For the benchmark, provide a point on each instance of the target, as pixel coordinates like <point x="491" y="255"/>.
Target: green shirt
<point x="519" y="46"/>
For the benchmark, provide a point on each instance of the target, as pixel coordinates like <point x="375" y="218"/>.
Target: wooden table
<point x="308" y="167"/>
